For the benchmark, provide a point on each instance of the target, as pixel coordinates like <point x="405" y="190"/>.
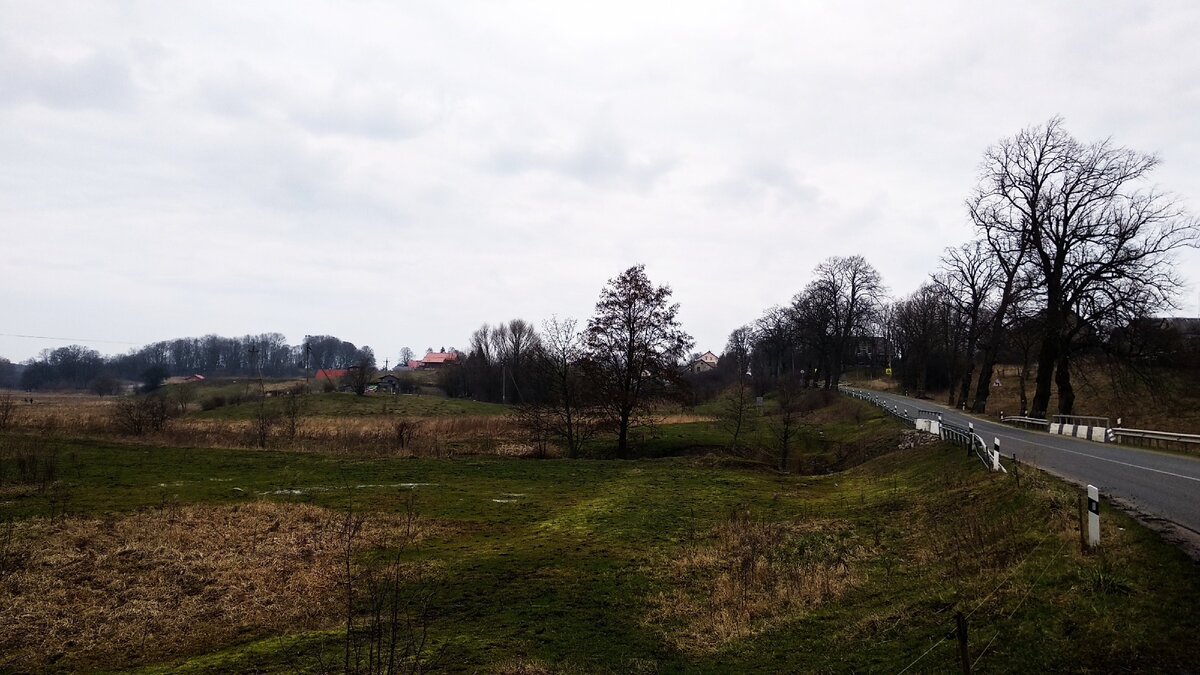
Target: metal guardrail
<point x="964" y="437"/>
<point x="1162" y="436"/>
<point x="1082" y="420"/>
<point x="1150" y="437"/>
<point x="1027" y="422"/>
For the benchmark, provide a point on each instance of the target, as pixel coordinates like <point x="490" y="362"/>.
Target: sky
<point x="397" y="174"/>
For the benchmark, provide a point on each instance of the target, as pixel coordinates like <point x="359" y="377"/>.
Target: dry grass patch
<point x="166" y="583"/>
<point x="746" y="575"/>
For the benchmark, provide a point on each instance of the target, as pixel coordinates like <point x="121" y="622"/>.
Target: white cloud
<point x="398" y="175"/>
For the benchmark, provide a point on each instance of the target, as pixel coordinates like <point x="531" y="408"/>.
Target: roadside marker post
<point x="1093" y="507"/>
<point x="970" y="438"/>
<point x="996" y="454"/>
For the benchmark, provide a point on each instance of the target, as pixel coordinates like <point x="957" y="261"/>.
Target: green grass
<point x="344" y="404"/>
<point x="563" y="575"/>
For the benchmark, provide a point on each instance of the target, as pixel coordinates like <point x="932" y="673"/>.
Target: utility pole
<point x="307" y="354"/>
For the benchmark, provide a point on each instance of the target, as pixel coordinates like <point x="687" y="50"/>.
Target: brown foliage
<point x="746" y="575"/>
<point x="164" y="583"/>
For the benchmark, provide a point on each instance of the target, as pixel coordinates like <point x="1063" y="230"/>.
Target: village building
<point x="703" y="363"/>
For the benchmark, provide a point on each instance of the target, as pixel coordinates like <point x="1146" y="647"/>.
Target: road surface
<point x="1155" y="483"/>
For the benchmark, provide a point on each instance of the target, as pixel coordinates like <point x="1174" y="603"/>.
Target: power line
<point x="68" y="339"/>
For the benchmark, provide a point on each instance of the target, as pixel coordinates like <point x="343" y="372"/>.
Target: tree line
<point x="267" y="354"/>
<point x="1072" y="255"/>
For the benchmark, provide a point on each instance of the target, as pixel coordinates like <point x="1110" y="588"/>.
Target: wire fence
<point x="966" y="437"/>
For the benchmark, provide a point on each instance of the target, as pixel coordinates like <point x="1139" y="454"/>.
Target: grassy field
<point x="162" y="559"/>
<point x="337" y="404"/>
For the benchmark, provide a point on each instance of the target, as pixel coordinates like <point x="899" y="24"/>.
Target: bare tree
<point x="634" y="345"/>
<point x="184" y="394"/>
<point x="559" y="355"/>
<point x="968" y="278"/>
<point x="360" y="375"/>
<point x="785" y="423"/>
<point x="1100" y="245"/>
<point x="915" y="329"/>
<point x="7" y="405"/>
<point x="849" y="288"/>
<point x="737" y="350"/>
<point x="735" y="410"/>
<point x="295" y="400"/>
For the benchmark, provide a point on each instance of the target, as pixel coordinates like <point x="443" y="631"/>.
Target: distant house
<point x="703" y="363"/>
<point x="389" y="383"/>
<point x="184" y="379"/>
<point x="435" y="360"/>
<point x="334" y="375"/>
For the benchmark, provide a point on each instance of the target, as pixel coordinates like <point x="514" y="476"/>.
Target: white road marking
<point x="1105" y="459"/>
<point x="1084" y="454"/>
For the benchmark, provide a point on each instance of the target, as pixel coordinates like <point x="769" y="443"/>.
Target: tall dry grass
<point x="94" y="417"/>
<point x="745" y="575"/>
<point x="117" y="592"/>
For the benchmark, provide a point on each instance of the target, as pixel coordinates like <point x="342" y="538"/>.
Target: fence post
<point x="1017" y="469"/>
<point x="1093" y="516"/>
<point x="963" y="653"/>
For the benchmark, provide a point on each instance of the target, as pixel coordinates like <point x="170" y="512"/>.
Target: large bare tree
<point x="1100" y="245"/>
<point x="567" y="413"/>
<point x="851" y="290"/>
<point x="634" y="346"/>
<point x="967" y="279"/>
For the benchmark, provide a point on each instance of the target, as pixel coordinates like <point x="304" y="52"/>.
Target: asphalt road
<point x="1156" y="483"/>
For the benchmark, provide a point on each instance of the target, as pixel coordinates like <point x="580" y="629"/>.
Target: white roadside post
<point x="1093" y="506"/>
<point x="970" y="438"/>
<point x="996" y="454"/>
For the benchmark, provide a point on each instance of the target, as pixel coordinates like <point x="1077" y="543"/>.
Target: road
<point x="1155" y="483"/>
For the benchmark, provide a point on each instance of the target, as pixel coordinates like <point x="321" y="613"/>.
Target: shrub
<point x="136" y="415"/>
<point x="212" y="402"/>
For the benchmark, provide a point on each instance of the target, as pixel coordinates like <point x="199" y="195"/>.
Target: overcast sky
<point x="397" y="177"/>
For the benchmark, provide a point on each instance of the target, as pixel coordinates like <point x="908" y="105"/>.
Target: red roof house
<point x="435" y="360"/>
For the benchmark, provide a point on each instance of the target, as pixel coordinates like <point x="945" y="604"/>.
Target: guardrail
<point x="963" y="437"/>
<point x="1158" y="438"/>
<point x="1027" y="422"/>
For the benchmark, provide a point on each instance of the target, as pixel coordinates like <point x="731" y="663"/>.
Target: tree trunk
<point x="1047" y="356"/>
<point x="1023" y="381"/>
<point x="979" y="406"/>
<point x="1062" y="377"/>
<point x="964" y="389"/>
<point x="623" y="436"/>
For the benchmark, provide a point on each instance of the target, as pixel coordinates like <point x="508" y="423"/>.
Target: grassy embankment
<point x="208" y="560"/>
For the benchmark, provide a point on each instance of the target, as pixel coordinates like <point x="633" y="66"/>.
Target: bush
<point x="212" y="402"/>
<point x="136" y="415"/>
